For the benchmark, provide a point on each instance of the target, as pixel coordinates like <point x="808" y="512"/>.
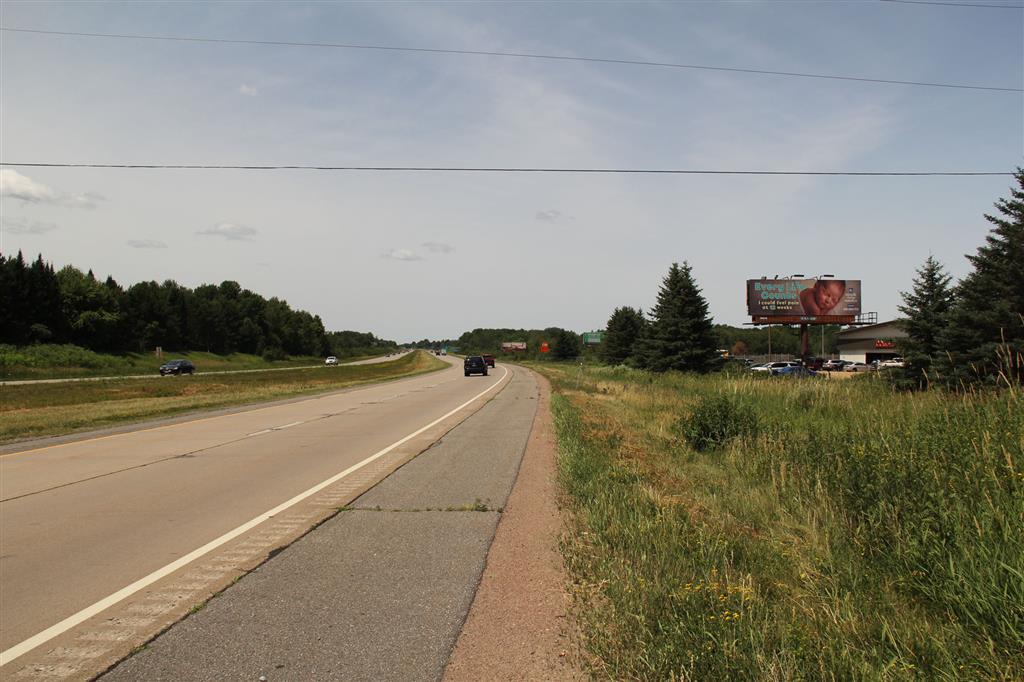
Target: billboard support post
<point x="805" y="338"/>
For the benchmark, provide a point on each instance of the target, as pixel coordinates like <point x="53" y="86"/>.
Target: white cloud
<point x="552" y="216"/>
<point x="438" y="247"/>
<point x="230" y="231"/>
<point x="401" y="254"/>
<point x="248" y="90"/>
<point x="146" y="244"/>
<point x="23" y="226"/>
<point x="17" y="186"/>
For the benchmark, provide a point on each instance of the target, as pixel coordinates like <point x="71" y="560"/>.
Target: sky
<point x="430" y="255"/>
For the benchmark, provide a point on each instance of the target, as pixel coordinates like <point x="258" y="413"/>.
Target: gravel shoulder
<point x="518" y="627"/>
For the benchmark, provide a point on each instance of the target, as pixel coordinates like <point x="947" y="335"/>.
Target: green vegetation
<point x="820" y="530"/>
<point x="34" y="410"/>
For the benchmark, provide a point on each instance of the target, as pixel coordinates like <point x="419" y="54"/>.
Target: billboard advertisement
<point x="513" y="346"/>
<point x="806" y="299"/>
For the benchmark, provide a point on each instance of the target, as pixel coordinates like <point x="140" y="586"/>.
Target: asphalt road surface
<point x="107" y="541"/>
<point x="368" y="361"/>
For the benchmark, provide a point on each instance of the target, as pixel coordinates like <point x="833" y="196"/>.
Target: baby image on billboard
<point x="803" y="297"/>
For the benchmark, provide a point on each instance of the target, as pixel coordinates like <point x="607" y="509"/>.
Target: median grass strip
<point x="28" y="411"/>
<point x="731" y="528"/>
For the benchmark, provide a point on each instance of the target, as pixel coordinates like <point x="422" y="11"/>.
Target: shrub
<point x="717" y="419"/>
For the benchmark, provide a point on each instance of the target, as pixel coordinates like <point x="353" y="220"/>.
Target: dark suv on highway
<point x="475" y="364"/>
<point x="177" y="367"/>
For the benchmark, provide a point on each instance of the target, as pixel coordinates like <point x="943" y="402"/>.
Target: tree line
<point x="970" y="332"/>
<point x="39" y="304"/>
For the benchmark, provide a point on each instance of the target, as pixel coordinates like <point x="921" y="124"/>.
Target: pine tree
<point x="567" y="345"/>
<point x="680" y="334"/>
<point x="926" y="308"/>
<point x="624" y="328"/>
<point x="985" y="334"/>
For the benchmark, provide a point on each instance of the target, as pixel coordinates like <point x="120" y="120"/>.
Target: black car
<point x="177" y="367"/>
<point x="475" y="364"/>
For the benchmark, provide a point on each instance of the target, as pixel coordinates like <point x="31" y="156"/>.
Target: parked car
<point x="177" y="367"/>
<point x="891" y="362"/>
<point x="857" y="367"/>
<point x="474" y="364"/>
<point x="771" y="367"/>
<point x="795" y="371"/>
<point x="489" y="359"/>
<point x="835" y="365"/>
<point x="331" y="360"/>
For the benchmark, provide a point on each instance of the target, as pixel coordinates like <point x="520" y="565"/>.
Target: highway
<point x="368" y="361"/>
<point x="107" y="540"/>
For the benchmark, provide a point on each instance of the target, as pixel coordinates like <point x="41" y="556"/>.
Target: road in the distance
<point x="81" y="521"/>
<point x="368" y="361"/>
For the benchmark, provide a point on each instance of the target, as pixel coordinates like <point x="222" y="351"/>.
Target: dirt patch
<point x="518" y="627"/>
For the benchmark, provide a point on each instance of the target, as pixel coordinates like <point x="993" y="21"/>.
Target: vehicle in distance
<point x="835" y="365"/>
<point x="475" y="364"/>
<point x="489" y="359"/>
<point x="331" y="360"/>
<point x="177" y="367"/>
<point x="857" y="367"/>
<point x="771" y="367"/>
<point x="795" y="371"/>
<point x="891" y="362"/>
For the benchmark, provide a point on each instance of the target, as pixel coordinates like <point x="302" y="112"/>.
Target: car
<point x="857" y="367"/>
<point x="331" y="360"/>
<point x="795" y="371"/>
<point x="771" y="367"/>
<point x="474" y="364"/>
<point x="835" y="365"/>
<point x="896" y="362"/>
<point x="177" y="367"/>
<point x="489" y="359"/>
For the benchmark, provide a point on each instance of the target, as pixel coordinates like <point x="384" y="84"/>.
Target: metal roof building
<point x="871" y="342"/>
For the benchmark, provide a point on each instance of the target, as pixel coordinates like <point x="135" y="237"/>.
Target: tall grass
<point x="851" y="533"/>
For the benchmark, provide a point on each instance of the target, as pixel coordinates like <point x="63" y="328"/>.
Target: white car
<point x="857" y="367"/>
<point x="771" y="367"/>
<point x="331" y="360"/>
<point x="891" y="362"/>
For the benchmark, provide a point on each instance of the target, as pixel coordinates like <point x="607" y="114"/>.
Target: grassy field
<point x="33" y="410"/>
<point x="735" y="528"/>
<point x="61" y="362"/>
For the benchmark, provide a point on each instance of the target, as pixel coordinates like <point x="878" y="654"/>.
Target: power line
<point x="482" y="169"/>
<point x="955" y="4"/>
<point x="519" y="55"/>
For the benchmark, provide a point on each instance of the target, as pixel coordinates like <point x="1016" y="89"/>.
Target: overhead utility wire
<point x="473" y="169"/>
<point x="954" y="4"/>
<point x="520" y="55"/>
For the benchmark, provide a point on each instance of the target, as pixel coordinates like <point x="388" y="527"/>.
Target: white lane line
<point x="257" y="433"/>
<point x="286" y="426"/>
<point x="125" y="592"/>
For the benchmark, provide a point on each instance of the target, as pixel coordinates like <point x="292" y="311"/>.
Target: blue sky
<point x="409" y="256"/>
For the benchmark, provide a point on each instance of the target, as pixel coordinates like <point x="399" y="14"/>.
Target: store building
<point x="871" y="342"/>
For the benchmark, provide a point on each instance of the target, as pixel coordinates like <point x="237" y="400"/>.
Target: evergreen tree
<point x="985" y="334"/>
<point x="624" y="328"/>
<point x="926" y="308"/>
<point x="567" y="345"/>
<point x="680" y="335"/>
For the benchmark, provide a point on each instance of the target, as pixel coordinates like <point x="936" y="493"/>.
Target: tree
<point x="680" y="334"/>
<point x="926" y="308"/>
<point x="567" y="345"/>
<point x="624" y="328"/>
<point x="985" y="334"/>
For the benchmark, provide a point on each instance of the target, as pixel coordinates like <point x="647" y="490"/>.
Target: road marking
<point x="286" y="426"/>
<point x="169" y="426"/>
<point x="125" y="592"/>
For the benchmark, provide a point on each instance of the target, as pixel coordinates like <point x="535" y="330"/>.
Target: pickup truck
<point x="489" y="359"/>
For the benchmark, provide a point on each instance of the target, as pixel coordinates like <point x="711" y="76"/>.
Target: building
<point x="871" y="342"/>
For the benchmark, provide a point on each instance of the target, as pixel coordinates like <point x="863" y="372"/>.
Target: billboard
<point x="593" y="337"/>
<point x="513" y="346"/>
<point x="803" y="300"/>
